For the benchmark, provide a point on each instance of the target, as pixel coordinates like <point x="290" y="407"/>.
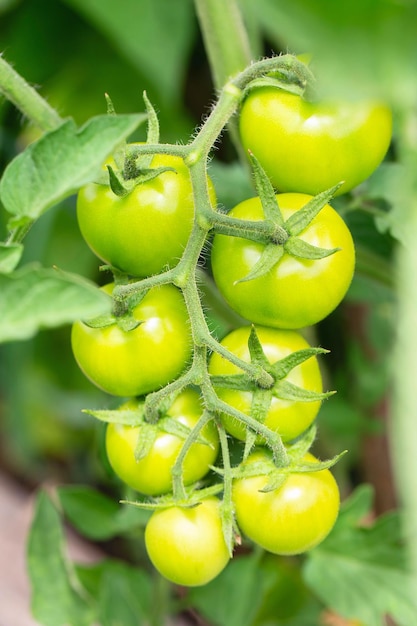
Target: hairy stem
<point x="27" y="99"/>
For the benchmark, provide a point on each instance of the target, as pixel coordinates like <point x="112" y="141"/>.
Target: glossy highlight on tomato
<point x="138" y="361"/>
<point x="291" y="519"/>
<point x="288" y="418"/>
<point x="151" y="475"/>
<point x="311" y="146"/>
<point x="146" y="231"/>
<point x="186" y="545"/>
<point x="296" y="292"/>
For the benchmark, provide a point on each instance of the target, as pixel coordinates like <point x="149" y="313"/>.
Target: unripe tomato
<point x="135" y="362"/>
<point x="288" y="418"/>
<point x="291" y="519"/>
<point x="145" y="231"/>
<point x="296" y="292"/>
<point x="151" y="475"/>
<point x="310" y="146"/>
<point x="186" y="545"/>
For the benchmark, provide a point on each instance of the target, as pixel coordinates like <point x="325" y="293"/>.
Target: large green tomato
<point x="291" y="519"/>
<point x="151" y="475"/>
<point x="288" y="418"/>
<point x="311" y="146"/>
<point x="186" y="545"/>
<point x="145" y="231"/>
<point x="296" y="292"/>
<point x="136" y="362"/>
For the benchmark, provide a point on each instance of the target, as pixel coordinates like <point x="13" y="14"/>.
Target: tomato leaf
<point x="370" y="578"/>
<point x="9" y="257"/>
<point x="96" y="516"/>
<point x="59" y="163"/>
<point x="55" y="593"/>
<point x="304" y="250"/>
<point x="123" y="593"/>
<point x="241" y="585"/>
<point x="35" y="297"/>
<point x="270" y="256"/>
<point x="299" y="220"/>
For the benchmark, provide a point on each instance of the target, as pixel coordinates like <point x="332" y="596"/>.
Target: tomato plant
<point x="294" y="517"/>
<point x="289" y="418"/>
<point x="151" y="474"/>
<point x="145" y="231"/>
<point x="186" y="545"/>
<point x="311" y="146"/>
<point x="135" y="362"/>
<point x="296" y="292"/>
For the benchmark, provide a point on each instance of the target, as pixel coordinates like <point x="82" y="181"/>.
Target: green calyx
<point x="280" y="388"/>
<point x="286" y="239"/>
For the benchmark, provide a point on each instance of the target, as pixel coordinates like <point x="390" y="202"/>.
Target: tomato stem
<point x="27" y="99"/>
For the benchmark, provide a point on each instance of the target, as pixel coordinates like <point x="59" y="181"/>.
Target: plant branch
<point x="27" y="99"/>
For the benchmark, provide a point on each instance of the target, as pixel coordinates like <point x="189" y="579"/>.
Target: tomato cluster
<point x="286" y="503"/>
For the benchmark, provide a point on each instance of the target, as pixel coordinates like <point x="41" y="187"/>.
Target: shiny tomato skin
<point x="296" y="292"/>
<point x="151" y="475"/>
<point x="288" y="418"/>
<point x="289" y="520"/>
<point x="310" y="146"/>
<point x="186" y="545"/>
<point x="136" y="362"/>
<point x="146" y="231"/>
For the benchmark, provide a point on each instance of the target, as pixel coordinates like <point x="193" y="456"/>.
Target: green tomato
<point x="138" y="361"/>
<point x="291" y="519"/>
<point x="288" y="418"/>
<point x="311" y="146"/>
<point x="151" y="475"/>
<point x="295" y="292"/>
<point x="146" y="231"/>
<point x="186" y="545"/>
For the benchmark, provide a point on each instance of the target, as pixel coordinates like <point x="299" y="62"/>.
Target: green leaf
<point x="270" y="256"/>
<point x="60" y="162"/>
<point x="123" y="592"/>
<point x="36" y="297"/>
<point x="97" y="516"/>
<point x="304" y="250"/>
<point x="241" y="585"/>
<point x="299" y="220"/>
<point x="55" y="599"/>
<point x="125" y="595"/>
<point x="155" y="36"/>
<point x="369" y="577"/>
<point x="10" y="257"/>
